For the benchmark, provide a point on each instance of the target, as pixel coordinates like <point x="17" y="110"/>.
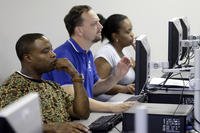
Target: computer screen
<point x="24" y="115"/>
<point x="174" y="42"/>
<point x="185" y="32"/>
<point x="142" y="63"/>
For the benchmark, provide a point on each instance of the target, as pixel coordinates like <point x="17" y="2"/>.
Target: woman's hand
<point x="130" y="88"/>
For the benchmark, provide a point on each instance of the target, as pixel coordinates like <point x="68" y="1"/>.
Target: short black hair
<point x="112" y="25"/>
<point x="24" y="44"/>
<point x="73" y="18"/>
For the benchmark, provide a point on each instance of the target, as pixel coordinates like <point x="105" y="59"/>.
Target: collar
<point x="76" y="46"/>
<point x="30" y="78"/>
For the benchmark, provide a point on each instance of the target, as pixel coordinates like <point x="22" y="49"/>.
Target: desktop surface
<point x="156" y="109"/>
<point x="120" y="97"/>
<point x="167" y="109"/>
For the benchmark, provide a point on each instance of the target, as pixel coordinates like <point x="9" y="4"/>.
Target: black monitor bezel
<point x="186" y="29"/>
<point x="142" y="64"/>
<point x="174" y="38"/>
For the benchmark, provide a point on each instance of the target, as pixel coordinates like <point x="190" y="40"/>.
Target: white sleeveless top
<point x="109" y="53"/>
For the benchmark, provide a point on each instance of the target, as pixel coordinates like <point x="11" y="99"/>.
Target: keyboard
<point x="105" y="123"/>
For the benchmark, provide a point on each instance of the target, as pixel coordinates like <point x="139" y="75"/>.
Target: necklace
<point x="120" y="54"/>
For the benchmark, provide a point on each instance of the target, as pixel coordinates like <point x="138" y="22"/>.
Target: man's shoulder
<point x="63" y="50"/>
<point x="13" y="78"/>
<point x="11" y="89"/>
<point x="65" y="45"/>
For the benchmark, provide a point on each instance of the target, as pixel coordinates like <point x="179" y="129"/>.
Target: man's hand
<point x="65" y="64"/>
<point x="72" y="127"/>
<point x="67" y="127"/>
<point x="80" y="108"/>
<point x="122" y="68"/>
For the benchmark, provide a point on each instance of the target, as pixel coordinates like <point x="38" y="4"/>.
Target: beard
<point x="48" y="68"/>
<point x="96" y="39"/>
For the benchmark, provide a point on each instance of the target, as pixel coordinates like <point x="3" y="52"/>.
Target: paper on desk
<point x="170" y="82"/>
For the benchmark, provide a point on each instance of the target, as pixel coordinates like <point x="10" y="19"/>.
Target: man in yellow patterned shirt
<point x="36" y="56"/>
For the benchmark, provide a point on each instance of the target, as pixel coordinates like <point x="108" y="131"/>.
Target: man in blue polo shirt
<point x="83" y="62"/>
<point x="84" y="30"/>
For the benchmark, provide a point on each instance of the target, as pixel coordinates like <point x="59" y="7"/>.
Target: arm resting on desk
<point x="98" y="106"/>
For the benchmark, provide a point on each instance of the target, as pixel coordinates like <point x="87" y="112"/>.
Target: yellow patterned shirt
<point x="55" y="103"/>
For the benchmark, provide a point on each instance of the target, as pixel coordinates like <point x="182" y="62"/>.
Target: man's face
<point x="42" y="58"/>
<point x="91" y="27"/>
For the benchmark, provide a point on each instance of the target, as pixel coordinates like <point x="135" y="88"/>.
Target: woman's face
<point x="125" y="35"/>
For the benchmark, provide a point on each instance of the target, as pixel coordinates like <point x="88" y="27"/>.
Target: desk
<point x="120" y="97"/>
<point x="117" y="98"/>
<point x="157" y="109"/>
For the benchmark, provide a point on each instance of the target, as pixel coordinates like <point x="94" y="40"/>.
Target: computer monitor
<point x="23" y="116"/>
<point x="174" y="42"/>
<point x="142" y="63"/>
<point x="185" y="32"/>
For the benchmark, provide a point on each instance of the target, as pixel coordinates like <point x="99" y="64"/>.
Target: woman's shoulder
<point x="107" y="49"/>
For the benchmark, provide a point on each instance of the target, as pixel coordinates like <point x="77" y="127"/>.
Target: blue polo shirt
<point x="83" y="61"/>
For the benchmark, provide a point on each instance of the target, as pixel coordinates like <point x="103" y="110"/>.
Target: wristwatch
<point x="78" y="78"/>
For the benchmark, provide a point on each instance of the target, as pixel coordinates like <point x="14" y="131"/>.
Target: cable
<point x="193" y="125"/>
<point x="117" y="129"/>
<point x="143" y="90"/>
<point x="192" y="55"/>
<point x="168" y="76"/>
<point x="181" y="96"/>
<point x="197" y="121"/>
<point x="195" y="128"/>
<point x="162" y="83"/>
<point x="187" y="57"/>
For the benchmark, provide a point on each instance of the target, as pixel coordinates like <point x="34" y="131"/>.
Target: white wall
<point x="46" y="16"/>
